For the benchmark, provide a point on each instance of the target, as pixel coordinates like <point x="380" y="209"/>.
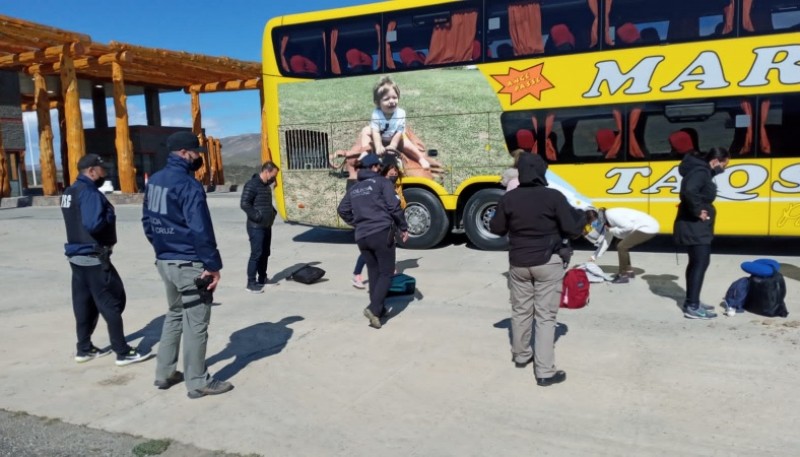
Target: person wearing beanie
<point x="536" y="220"/>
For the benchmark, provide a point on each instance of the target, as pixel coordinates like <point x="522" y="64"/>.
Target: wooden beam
<point x="41" y="32"/>
<point x="221" y="169"/>
<point x="122" y="141"/>
<point x="225" y="86"/>
<point x="186" y="58"/>
<point x="31" y="106"/>
<point x="47" y="158"/>
<point x="82" y="63"/>
<point x="72" y="111"/>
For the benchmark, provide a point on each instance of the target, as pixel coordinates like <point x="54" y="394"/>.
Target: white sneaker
<point x="93" y="353"/>
<point x="134" y="356"/>
<point x="357" y="282"/>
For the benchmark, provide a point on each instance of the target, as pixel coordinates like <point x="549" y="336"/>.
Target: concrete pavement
<point x="312" y="378"/>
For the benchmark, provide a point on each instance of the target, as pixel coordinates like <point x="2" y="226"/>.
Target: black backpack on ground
<point x="766" y="295"/>
<point x="308" y="274"/>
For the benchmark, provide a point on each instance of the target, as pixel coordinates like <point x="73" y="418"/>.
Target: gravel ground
<point x="23" y="435"/>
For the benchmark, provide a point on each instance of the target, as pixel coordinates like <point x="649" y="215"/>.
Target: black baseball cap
<point x="92" y="160"/>
<point x="370" y="160"/>
<point x="184" y="140"/>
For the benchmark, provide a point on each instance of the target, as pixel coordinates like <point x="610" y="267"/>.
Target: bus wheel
<point x="426" y="218"/>
<point x="477" y="215"/>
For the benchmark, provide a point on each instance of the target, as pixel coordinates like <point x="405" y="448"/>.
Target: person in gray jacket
<point x="256" y="202"/>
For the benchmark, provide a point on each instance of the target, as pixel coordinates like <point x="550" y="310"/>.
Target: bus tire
<point x="426" y="218"/>
<point x="478" y="212"/>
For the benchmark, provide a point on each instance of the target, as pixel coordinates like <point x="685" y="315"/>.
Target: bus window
<point x="355" y="47"/>
<point x="432" y="36"/>
<point x="643" y="23"/>
<point x="301" y="51"/>
<point x="779" y="122"/>
<point x="585" y="135"/>
<point x="670" y="130"/>
<point x="768" y="16"/>
<point x="525" y="28"/>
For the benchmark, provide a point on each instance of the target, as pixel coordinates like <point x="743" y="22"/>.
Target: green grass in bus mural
<point x="453" y="111"/>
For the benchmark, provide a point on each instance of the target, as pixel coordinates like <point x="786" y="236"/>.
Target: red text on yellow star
<point x="519" y="83"/>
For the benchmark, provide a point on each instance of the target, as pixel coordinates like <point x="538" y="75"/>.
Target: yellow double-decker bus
<point x="610" y="93"/>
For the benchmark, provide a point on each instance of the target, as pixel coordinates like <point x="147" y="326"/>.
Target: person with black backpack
<point x="694" y="222"/>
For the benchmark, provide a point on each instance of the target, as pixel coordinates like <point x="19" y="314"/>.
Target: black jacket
<point x="535" y="217"/>
<point x="89" y="218"/>
<point x="698" y="192"/>
<point x="256" y="201"/>
<point x="372" y="205"/>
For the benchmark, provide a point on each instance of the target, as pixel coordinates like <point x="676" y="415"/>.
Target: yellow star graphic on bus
<point x="519" y="83"/>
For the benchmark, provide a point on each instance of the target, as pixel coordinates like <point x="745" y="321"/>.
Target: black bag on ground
<point x="308" y="274"/>
<point x="766" y="295"/>
<point x="402" y="284"/>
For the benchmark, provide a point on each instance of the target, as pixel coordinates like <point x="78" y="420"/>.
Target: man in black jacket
<point x="96" y="286"/>
<point x="536" y="219"/>
<point x="373" y="208"/>
<point x="257" y="203"/>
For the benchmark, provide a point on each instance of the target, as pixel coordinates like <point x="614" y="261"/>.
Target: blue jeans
<point x="260" y="241"/>
<point x="360" y="262"/>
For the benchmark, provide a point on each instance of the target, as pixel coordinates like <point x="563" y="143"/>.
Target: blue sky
<point x="232" y="28"/>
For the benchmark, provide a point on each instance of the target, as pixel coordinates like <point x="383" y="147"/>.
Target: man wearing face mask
<point x="694" y="223"/>
<point x="177" y="223"/>
<point x="97" y="289"/>
<point x="256" y="202"/>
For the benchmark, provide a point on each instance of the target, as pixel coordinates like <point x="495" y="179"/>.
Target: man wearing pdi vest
<point x="97" y="289"/>
<point x="177" y="223"/>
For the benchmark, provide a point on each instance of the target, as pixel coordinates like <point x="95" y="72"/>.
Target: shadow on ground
<point x="251" y="344"/>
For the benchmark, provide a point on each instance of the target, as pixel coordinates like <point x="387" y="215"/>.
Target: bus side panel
<point x="785" y="197"/>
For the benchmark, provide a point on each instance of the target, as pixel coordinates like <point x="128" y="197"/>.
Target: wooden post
<point x="212" y="160"/>
<point x="197" y="129"/>
<point x="122" y="140"/>
<point x="62" y="133"/>
<point x="266" y="154"/>
<point x="47" y="158"/>
<point x="72" y="111"/>
<point x="5" y="183"/>
<point x="220" y="166"/>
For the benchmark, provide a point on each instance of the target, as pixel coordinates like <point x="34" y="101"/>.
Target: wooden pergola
<point x="38" y="50"/>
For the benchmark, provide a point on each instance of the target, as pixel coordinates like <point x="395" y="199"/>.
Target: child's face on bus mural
<point x="388" y="103"/>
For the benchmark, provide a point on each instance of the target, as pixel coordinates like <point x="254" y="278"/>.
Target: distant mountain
<point x="241" y="157"/>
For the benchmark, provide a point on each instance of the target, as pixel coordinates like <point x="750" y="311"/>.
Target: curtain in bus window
<point x="391" y="27"/>
<point x="765" y="147"/>
<point x="748" y="138"/>
<point x="324" y="46"/>
<point x="747" y="20"/>
<point x="378" y="32"/>
<point x="634" y="149"/>
<point x="453" y="42"/>
<point x="549" y="147"/>
<point x="525" y="25"/>
<point x="727" y="14"/>
<point x="335" y="68"/>
<point x="284" y="62"/>
<point x="617" y="144"/>
<point x="595" y="9"/>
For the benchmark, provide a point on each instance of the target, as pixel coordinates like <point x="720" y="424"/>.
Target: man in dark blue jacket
<point x="177" y="223"/>
<point x="96" y="286"/>
<point x="256" y="202"/>
<point x="373" y="208"/>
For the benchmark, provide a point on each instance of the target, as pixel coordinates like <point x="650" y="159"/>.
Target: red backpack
<point x="575" y="290"/>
